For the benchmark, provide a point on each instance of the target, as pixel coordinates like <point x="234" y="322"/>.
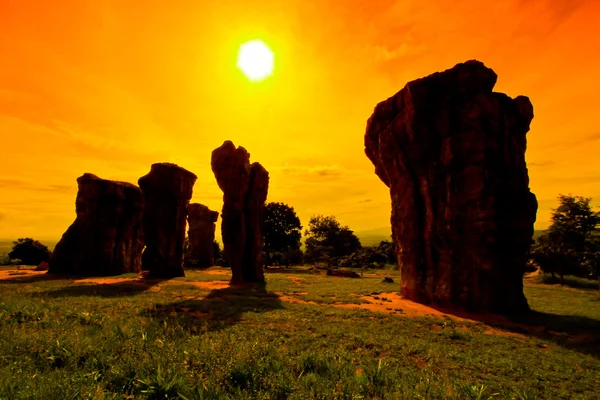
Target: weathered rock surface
<point x="106" y="237"/>
<point x="245" y="188"/>
<point x="452" y="152"/>
<point x="167" y="190"/>
<point x="201" y="233"/>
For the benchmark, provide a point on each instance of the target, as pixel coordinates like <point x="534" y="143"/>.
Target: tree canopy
<point x="29" y="251"/>
<point x="571" y="244"/>
<point x="326" y="237"/>
<point x="282" y="228"/>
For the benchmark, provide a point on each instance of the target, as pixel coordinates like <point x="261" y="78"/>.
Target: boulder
<point x="452" y="153"/>
<point x="167" y="191"/>
<point x="43" y="266"/>
<point x="245" y="187"/>
<point x="346" y="273"/>
<point x="201" y="233"/>
<point x="106" y="238"/>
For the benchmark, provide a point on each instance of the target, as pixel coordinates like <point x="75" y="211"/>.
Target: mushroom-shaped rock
<point x="106" y="238"/>
<point x="201" y="233"/>
<point x="167" y="191"/>
<point x="245" y="187"/>
<point x="452" y="152"/>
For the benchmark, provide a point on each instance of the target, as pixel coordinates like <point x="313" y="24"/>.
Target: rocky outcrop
<point x="452" y="152"/>
<point x="201" y="234"/>
<point x="106" y="238"/>
<point x="245" y="188"/>
<point x="167" y="191"/>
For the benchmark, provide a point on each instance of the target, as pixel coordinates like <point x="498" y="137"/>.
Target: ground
<point x="300" y="336"/>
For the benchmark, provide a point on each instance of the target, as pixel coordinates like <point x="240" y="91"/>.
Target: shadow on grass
<point x="129" y="287"/>
<point x="219" y="309"/>
<point x="570" y="281"/>
<point x="573" y="332"/>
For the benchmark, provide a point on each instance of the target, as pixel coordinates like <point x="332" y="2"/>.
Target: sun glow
<point x="255" y="60"/>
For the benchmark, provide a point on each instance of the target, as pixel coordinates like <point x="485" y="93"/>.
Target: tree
<point x="569" y="244"/>
<point x="327" y="239"/>
<point x="282" y="231"/>
<point x="29" y="251"/>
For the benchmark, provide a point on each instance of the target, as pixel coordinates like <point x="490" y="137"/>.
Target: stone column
<point x="245" y="190"/>
<point x="452" y="152"/>
<point x="167" y="191"/>
<point x="201" y="234"/>
<point x="106" y="237"/>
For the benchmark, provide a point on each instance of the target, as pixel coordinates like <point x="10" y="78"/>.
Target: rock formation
<point x="245" y="188"/>
<point x="452" y="152"/>
<point x="167" y="191"/>
<point x="346" y="273"/>
<point x="106" y="237"/>
<point x="201" y="233"/>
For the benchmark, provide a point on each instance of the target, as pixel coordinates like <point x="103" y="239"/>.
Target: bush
<point x="29" y="252"/>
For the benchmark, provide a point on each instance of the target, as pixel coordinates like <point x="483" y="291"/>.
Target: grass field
<point x="302" y="336"/>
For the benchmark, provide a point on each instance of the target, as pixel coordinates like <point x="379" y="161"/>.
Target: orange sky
<point x="110" y="87"/>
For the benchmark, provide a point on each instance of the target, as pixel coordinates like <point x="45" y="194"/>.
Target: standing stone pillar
<point x="106" y="238"/>
<point x="245" y="187"/>
<point x="201" y="233"/>
<point x="167" y="191"/>
<point x="452" y="152"/>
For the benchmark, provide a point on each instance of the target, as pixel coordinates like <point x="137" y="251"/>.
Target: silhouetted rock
<point x="201" y="233"/>
<point x="167" y="191"/>
<point x="106" y="237"/>
<point x="346" y="273"/>
<point x="43" y="266"/>
<point x="452" y="153"/>
<point x="245" y="188"/>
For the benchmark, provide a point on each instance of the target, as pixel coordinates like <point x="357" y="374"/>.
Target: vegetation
<point x="371" y="257"/>
<point x="327" y="240"/>
<point x="115" y="340"/>
<point x="282" y="231"/>
<point x="29" y="252"/>
<point x="190" y="263"/>
<point x="571" y="245"/>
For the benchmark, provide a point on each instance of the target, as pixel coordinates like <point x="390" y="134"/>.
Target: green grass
<point x="63" y="339"/>
<point x="570" y="281"/>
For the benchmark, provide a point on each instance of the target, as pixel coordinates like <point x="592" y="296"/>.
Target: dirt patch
<point x="18" y="272"/>
<point x="217" y="272"/>
<point x="297" y="281"/>
<point x="200" y="284"/>
<point x="393" y="303"/>
<point x="109" y="281"/>
<point x="292" y="299"/>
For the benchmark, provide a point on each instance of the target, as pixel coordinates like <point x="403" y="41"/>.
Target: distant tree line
<point x="570" y="246"/>
<point x="327" y="242"/>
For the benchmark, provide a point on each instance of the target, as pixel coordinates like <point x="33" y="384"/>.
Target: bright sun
<point x="255" y="59"/>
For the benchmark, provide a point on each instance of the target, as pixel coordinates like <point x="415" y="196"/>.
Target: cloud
<point x="576" y="179"/>
<point x="572" y="142"/>
<point x="366" y="201"/>
<point x="541" y="164"/>
<point x="11" y="183"/>
<point x="312" y="172"/>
